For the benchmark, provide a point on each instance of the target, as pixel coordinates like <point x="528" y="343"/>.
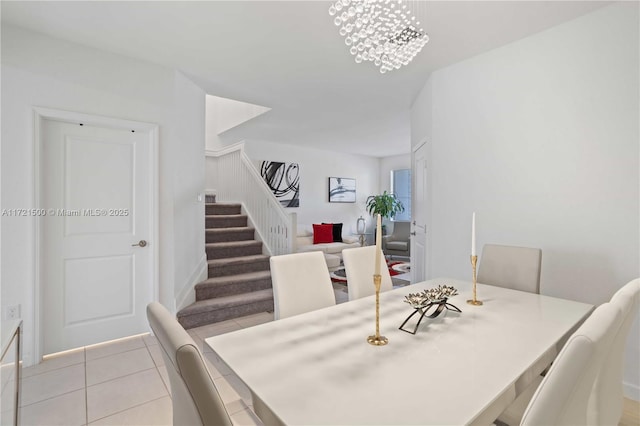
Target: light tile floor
<point x="125" y="382"/>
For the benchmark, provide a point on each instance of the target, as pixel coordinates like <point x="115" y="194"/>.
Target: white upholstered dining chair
<point x="605" y="406"/>
<point x="194" y="396"/>
<point x="563" y="395"/>
<point x="359" y="264"/>
<point x="301" y="283"/>
<point x="517" y="268"/>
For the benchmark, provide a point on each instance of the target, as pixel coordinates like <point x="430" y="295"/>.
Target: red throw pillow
<point x="337" y="231"/>
<point x="322" y="234"/>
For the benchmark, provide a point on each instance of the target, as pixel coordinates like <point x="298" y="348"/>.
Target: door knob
<point x="142" y="243"/>
<point x="413" y="233"/>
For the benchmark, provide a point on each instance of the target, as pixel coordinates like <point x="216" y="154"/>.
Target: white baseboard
<point x="187" y="295"/>
<point x="631" y="391"/>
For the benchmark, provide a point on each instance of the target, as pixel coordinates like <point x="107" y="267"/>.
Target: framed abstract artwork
<point x="342" y="190"/>
<point x="283" y="180"/>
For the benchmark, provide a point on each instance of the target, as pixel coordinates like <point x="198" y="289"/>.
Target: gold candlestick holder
<point x="377" y="339"/>
<point x="474" y="301"/>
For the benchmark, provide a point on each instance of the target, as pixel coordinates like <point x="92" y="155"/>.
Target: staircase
<point x="239" y="280"/>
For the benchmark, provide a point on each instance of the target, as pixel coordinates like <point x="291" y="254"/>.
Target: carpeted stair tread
<point x="233" y="284"/>
<point x="222" y="308"/>
<point x="213" y="221"/>
<point x="231" y="244"/>
<point x="225" y="302"/>
<point x="233" y="279"/>
<point x="229" y="229"/>
<point x="222" y="208"/>
<point x="223" y="216"/>
<point x="237" y="265"/>
<point x="221" y="235"/>
<point x="234" y="205"/>
<point x="233" y="249"/>
<point x="238" y="260"/>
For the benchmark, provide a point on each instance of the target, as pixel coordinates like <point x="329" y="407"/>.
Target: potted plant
<point x="385" y="204"/>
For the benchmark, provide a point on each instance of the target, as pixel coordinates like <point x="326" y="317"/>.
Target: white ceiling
<point x="287" y="55"/>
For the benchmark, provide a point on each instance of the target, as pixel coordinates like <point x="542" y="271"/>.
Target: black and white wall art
<point x="284" y="181"/>
<point x="342" y="190"/>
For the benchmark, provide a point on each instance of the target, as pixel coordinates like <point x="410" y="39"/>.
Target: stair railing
<point x="234" y="179"/>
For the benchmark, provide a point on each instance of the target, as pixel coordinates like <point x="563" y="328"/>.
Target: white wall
<point x="316" y="166"/>
<point x="188" y="130"/>
<point x="41" y="71"/>
<point x="212" y="140"/>
<point x="224" y="114"/>
<point x="541" y="139"/>
<point x="229" y="113"/>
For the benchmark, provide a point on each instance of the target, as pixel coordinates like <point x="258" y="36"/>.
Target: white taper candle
<point x="473" y="234"/>
<point x="378" y="242"/>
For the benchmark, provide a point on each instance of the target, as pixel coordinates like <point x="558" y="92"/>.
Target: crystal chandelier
<point x="385" y="32"/>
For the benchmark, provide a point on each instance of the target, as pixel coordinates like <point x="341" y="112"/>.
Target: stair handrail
<point x="276" y="228"/>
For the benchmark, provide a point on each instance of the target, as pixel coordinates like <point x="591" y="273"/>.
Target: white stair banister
<point x="235" y="179"/>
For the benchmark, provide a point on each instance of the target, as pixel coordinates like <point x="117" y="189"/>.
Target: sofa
<point x="332" y="251"/>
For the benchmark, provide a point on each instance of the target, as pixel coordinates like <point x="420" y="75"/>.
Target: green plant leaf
<point x="385" y="204"/>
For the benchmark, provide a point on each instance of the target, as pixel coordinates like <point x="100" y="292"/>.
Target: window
<point x="401" y="186"/>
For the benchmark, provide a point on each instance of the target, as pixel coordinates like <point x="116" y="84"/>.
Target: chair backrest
<point x="195" y="399"/>
<point x="401" y="231"/>
<point x="301" y="283"/>
<point x="517" y="268"/>
<point x="563" y="396"/>
<point x="605" y="407"/>
<point x="359" y="264"/>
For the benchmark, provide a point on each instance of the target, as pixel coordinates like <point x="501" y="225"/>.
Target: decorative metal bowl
<point x="436" y="298"/>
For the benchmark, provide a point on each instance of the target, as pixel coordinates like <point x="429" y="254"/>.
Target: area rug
<point x="396" y="267"/>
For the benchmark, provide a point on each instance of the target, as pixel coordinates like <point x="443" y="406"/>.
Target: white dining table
<point x="459" y="368"/>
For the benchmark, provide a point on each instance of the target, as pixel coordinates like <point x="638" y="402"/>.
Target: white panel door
<point x="419" y="233"/>
<point x="95" y="283"/>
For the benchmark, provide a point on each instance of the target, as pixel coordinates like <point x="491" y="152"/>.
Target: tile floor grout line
<point x="150" y="336"/>
<point x="158" y="369"/>
<point x="117" y="353"/>
<point x="128" y="374"/>
<point x="142" y="403"/>
<point x="51" y="397"/>
<point x="49" y="371"/>
<point x="126" y="409"/>
<point x="152" y="358"/>
<point x="120" y="377"/>
<point x="164" y="384"/>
